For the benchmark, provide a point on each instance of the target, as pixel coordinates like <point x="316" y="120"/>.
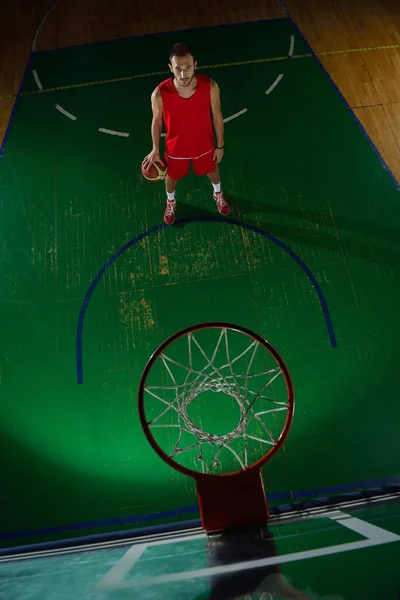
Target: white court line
<point x="251" y="564"/>
<point x="65" y="112"/>
<point x="115" y="575"/>
<point x="121" y="568"/>
<point x="273" y="86"/>
<point x="41" y="25"/>
<point x="36" y="78"/>
<point x="158" y="538"/>
<point x="321" y="511"/>
<point x="112" y="132"/>
<point x="291" y="48"/>
<point x="376" y="536"/>
<point x="371" y="532"/>
<point x="241" y="112"/>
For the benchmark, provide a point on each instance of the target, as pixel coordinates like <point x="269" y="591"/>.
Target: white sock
<point x="171" y="196"/>
<point x="217" y="187"/>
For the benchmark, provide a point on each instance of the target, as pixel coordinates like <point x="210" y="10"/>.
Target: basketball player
<point x="190" y="105"/>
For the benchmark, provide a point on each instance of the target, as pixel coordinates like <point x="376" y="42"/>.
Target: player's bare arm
<point x="218" y="121"/>
<point x="156" y="126"/>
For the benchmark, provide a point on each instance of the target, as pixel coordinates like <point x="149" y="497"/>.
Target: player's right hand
<point x="151" y="158"/>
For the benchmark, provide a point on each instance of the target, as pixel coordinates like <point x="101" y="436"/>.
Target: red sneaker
<point x="169" y="213"/>
<point x="222" y="204"/>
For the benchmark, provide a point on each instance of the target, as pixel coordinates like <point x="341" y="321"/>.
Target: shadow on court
<point x="358" y="239"/>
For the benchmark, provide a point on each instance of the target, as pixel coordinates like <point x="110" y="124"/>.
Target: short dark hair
<point x="180" y="50"/>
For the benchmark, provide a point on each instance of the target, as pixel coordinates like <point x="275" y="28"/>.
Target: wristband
<point x="219" y="147"/>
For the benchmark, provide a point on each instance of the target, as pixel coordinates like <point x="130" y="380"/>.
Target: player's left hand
<point x="218" y="154"/>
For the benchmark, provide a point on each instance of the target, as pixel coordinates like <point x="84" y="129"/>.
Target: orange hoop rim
<point x="216" y="325"/>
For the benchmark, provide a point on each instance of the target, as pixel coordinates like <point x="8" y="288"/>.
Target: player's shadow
<point x="367" y="228"/>
<point x="254" y="546"/>
<point x="314" y="229"/>
<point x="188" y="211"/>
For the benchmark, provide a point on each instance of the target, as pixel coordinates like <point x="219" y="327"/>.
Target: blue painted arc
<point x="216" y="219"/>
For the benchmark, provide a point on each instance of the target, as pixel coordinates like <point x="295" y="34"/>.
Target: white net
<point x="218" y="405"/>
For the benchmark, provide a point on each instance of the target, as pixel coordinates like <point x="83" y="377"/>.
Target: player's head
<point x="182" y="64"/>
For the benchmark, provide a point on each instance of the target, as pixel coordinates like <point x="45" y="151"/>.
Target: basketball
<point x="156" y="172"/>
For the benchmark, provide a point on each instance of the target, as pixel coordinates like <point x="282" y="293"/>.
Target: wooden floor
<point x="351" y="37"/>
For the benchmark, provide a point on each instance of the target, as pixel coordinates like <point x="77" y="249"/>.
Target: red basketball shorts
<point x="179" y="167"/>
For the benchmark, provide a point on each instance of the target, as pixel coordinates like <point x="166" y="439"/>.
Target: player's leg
<point x="170" y="186"/>
<point x="177" y="169"/>
<point x="218" y="195"/>
<point x="205" y="165"/>
<point x="170" y="207"/>
<point x="215" y="179"/>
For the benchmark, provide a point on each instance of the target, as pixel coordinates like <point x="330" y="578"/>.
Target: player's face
<point x="183" y="67"/>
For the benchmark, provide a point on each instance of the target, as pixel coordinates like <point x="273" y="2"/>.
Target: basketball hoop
<point x="215" y="376"/>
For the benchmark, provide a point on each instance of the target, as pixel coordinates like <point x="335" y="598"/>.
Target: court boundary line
<point x="145" y="35"/>
<point x="14" y="108"/>
<point x="283" y="513"/>
<point x="39" y="27"/>
<point x="326" y="73"/>
<point x="135" y="537"/>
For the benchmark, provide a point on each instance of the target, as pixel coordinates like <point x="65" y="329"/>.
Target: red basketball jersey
<point x="188" y="124"/>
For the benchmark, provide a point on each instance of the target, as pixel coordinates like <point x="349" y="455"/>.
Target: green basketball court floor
<point x="92" y="281"/>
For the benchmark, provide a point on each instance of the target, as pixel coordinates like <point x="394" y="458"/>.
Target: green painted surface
<point x="296" y="165"/>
